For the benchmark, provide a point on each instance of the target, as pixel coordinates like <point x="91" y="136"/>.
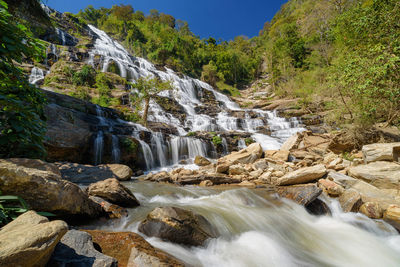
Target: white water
<point x="115" y="150"/>
<point x="257" y="230"/>
<point x="36" y="76"/>
<point x="61" y="35"/>
<point x="188" y="93"/>
<point x="98" y="148"/>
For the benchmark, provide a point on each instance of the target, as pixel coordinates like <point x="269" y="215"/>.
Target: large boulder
<point x="40" y="185"/>
<point x="78" y="173"/>
<point x="178" y="226"/>
<point x="29" y="240"/>
<point x="301" y="194"/>
<point x="113" y="191"/>
<point x="381" y="152"/>
<point x="291" y="143"/>
<point x="372" y="210"/>
<point x="215" y="178"/>
<point x="382" y="174"/>
<point x="131" y="249"/>
<point x="245" y="156"/>
<point x="303" y="175"/>
<point x="113" y="211"/>
<point x="76" y="249"/>
<point x="392" y="216"/>
<point x="350" y="201"/>
<point x="279" y="155"/>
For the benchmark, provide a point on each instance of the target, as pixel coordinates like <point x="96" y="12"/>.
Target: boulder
<point x="330" y="187"/>
<point x="245" y="156"/>
<point x="392" y="216"/>
<point x="29" y="240"/>
<point x="341" y="179"/>
<point x="350" y="201"/>
<point x="261" y="164"/>
<point x="382" y="174"/>
<point x="78" y="173"/>
<point x="112" y="190"/>
<point x="237" y="169"/>
<point x="113" y="211"/>
<point x="201" y="161"/>
<point x="131" y="249"/>
<point x="381" y="152"/>
<point x="279" y="155"/>
<point x="76" y="249"/>
<point x="222" y="167"/>
<point x="303" y="175"/>
<point x="301" y="194"/>
<point x="371" y="210"/>
<point x="177" y="226"/>
<point x="41" y="186"/>
<point x="215" y="178"/>
<point x="370" y="193"/>
<point x="318" y="207"/>
<point x="291" y="142"/>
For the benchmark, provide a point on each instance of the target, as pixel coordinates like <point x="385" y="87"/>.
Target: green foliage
<point x="82" y="93"/>
<point x="13" y="206"/>
<point x="129" y="145"/>
<point x="248" y="141"/>
<point x="191" y="134"/>
<point x="217" y="140"/>
<point x="86" y="76"/>
<point x="22" y="125"/>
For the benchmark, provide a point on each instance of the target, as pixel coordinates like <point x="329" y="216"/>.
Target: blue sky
<point x="217" y="18"/>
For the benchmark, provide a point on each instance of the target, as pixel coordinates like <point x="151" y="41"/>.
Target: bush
<point x="217" y="140"/>
<point x="86" y="76"/>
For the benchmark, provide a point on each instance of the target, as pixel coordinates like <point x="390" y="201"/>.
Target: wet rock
<point x="206" y="183"/>
<point x="330" y="187"/>
<point x="381" y="152"/>
<point x="41" y="186"/>
<point x="215" y="178"/>
<point x="392" y="216"/>
<point x="78" y="173"/>
<point x="280" y="155"/>
<point x="29" y="240"/>
<point x="350" y="201"/>
<point x="178" y="226"/>
<point x="112" y="190"/>
<point x="372" y="210"/>
<point x="301" y="194"/>
<point x="247" y="184"/>
<point x="131" y="249"/>
<point x="201" y="161"/>
<point x="318" y="207"/>
<point x="159" y="177"/>
<point x="113" y="211"/>
<point x="302" y="175"/>
<point x="382" y="174"/>
<point x="76" y="249"/>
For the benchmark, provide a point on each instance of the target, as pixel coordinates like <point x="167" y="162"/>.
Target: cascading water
<point x="256" y="229"/>
<point x="36" y="76"/>
<point x="98" y="148"/>
<point x="115" y="150"/>
<point x="61" y="35"/>
<point x="189" y="92"/>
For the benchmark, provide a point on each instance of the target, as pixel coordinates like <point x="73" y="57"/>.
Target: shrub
<point x="217" y="140"/>
<point x="86" y="76"/>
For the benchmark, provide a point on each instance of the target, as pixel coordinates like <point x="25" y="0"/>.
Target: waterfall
<point x="115" y="151"/>
<point x="241" y="144"/>
<point x="36" y="76"/>
<point x="189" y="93"/>
<point x="159" y="147"/>
<point x="225" y="146"/>
<point x="98" y="148"/>
<point x="61" y="35"/>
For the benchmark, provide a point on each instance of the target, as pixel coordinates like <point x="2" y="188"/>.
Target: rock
<point x="261" y="164"/>
<point x="77" y="173"/>
<point x="341" y="179"/>
<point x="76" y="249"/>
<point x="247" y="184"/>
<point x="131" y="249"/>
<point x="177" y="226"/>
<point x="29" y="240"/>
<point x="370" y="193"/>
<point x="382" y="174"/>
<point x="334" y="164"/>
<point x="222" y="167"/>
<point x="301" y="194"/>
<point x="291" y="142"/>
<point x="255" y="174"/>
<point x="245" y="156"/>
<point x="372" y="210"/>
<point x="303" y="175"/>
<point x="237" y="169"/>
<point x="41" y="186"/>
<point x="330" y="187"/>
<point x="280" y="155"/>
<point x="266" y="176"/>
<point x="201" y="161"/>
<point x="206" y="183"/>
<point x="113" y="211"/>
<point x="381" y="152"/>
<point x="318" y="207"/>
<point x="215" y="178"/>
<point x="392" y="216"/>
<point x="350" y="201"/>
<point x="112" y="190"/>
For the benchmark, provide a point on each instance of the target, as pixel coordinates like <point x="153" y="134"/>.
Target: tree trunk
<point x="146" y="111"/>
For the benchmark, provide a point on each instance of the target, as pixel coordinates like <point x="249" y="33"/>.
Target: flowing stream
<point x="258" y="229"/>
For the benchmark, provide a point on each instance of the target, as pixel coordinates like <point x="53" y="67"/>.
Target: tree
<point x="149" y="88"/>
<point x="122" y="12"/>
<point x="22" y="125"/>
<point x="168" y="20"/>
